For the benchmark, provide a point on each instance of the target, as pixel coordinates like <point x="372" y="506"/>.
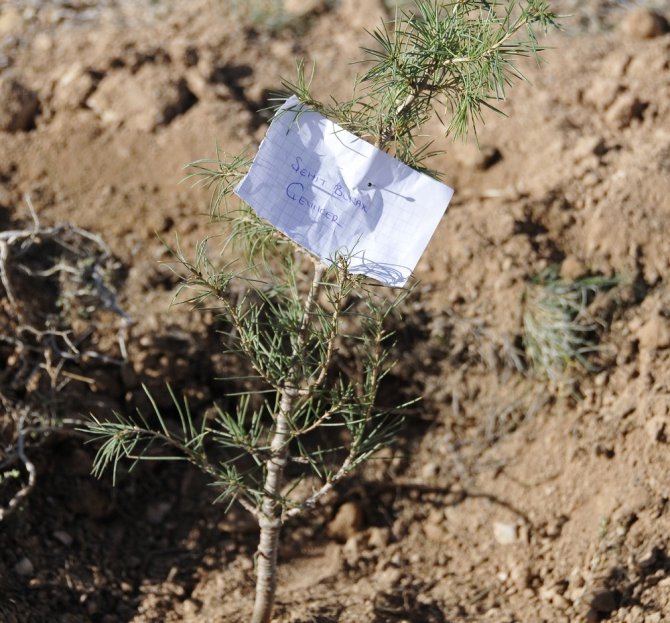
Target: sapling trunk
<point x="270" y="519"/>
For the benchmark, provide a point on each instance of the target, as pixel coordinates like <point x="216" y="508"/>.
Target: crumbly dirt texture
<point x="506" y="499"/>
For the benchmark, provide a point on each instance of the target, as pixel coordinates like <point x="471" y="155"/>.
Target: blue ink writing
<point x="312" y="177"/>
<point x="338" y="191"/>
<point x="343" y="194"/>
<point x="294" y="192"/>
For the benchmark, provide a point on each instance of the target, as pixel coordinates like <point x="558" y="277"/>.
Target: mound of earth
<point x="507" y="498"/>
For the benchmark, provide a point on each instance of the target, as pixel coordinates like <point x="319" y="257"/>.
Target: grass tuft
<point x="560" y="335"/>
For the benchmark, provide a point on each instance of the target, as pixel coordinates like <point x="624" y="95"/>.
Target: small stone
<point x="156" y="512"/>
<point x="74" y="86"/>
<point x="388" y="579"/>
<point x="520" y="576"/>
<point x="435" y="517"/>
<point x="379" y="537"/>
<point x="24" y="567"/>
<point x="347" y="521"/>
<point x="43" y="42"/>
<point x="504" y="533"/>
<point x="190" y="608"/>
<point x="63" y="537"/>
<point x="557" y="600"/>
<point x="434" y="532"/>
<point x="644" y="24"/>
<point x="655" y="333"/>
<point x="655" y="428"/>
<point x="572" y="268"/>
<point x="352" y="550"/>
<point x="10" y="21"/>
<point x="18" y="106"/>
<point x="603" y="600"/>
<point x="399" y="529"/>
<point x="429" y="471"/>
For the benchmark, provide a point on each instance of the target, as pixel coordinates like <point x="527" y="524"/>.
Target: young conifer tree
<point x="313" y="336"/>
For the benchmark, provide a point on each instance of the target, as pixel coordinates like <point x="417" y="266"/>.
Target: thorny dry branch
<point x="53" y="278"/>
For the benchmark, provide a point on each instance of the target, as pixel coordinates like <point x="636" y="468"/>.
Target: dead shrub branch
<point x="58" y="283"/>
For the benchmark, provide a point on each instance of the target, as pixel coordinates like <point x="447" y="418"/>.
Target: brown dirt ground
<point x="504" y="500"/>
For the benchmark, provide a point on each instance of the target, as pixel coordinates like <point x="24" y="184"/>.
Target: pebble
<point x="644" y="24"/>
<point x="399" y="529"/>
<point x="10" y="22"/>
<point x="156" y="512"/>
<point x="551" y="595"/>
<point x="24" y="567"/>
<point x="63" y="537"/>
<point x="655" y="333"/>
<point x="43" y="42"/>
<point x="504" y="533"/>
<point x="434" y="532"/>
<point x="379" y="537"/>
<point x="74" y="87"/>
<point x="429" y="471"/>
<point x="189" y="608"/>
<point x="520" y="576"/>
<point x="572" y="268"/>
<point x="352" y="549"/>
<point x="347" y="521"/>
<point x="388" y="578"/>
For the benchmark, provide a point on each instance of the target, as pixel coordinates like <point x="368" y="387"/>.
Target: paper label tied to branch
<point x="333" y="193"/>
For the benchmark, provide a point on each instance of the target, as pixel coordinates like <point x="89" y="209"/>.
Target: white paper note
<point x="333" y="193"/>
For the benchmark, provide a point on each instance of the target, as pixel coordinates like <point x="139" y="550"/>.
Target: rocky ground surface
<point x="508" y="498"/>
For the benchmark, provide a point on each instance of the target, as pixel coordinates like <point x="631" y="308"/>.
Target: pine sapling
<point x="312" y="337"/>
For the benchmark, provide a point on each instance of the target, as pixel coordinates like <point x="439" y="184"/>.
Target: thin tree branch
<point x="25" y="491"/>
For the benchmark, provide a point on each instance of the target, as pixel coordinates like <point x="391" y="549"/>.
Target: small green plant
<point x="559" y="335"/>
<point x="312" y="339"/>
